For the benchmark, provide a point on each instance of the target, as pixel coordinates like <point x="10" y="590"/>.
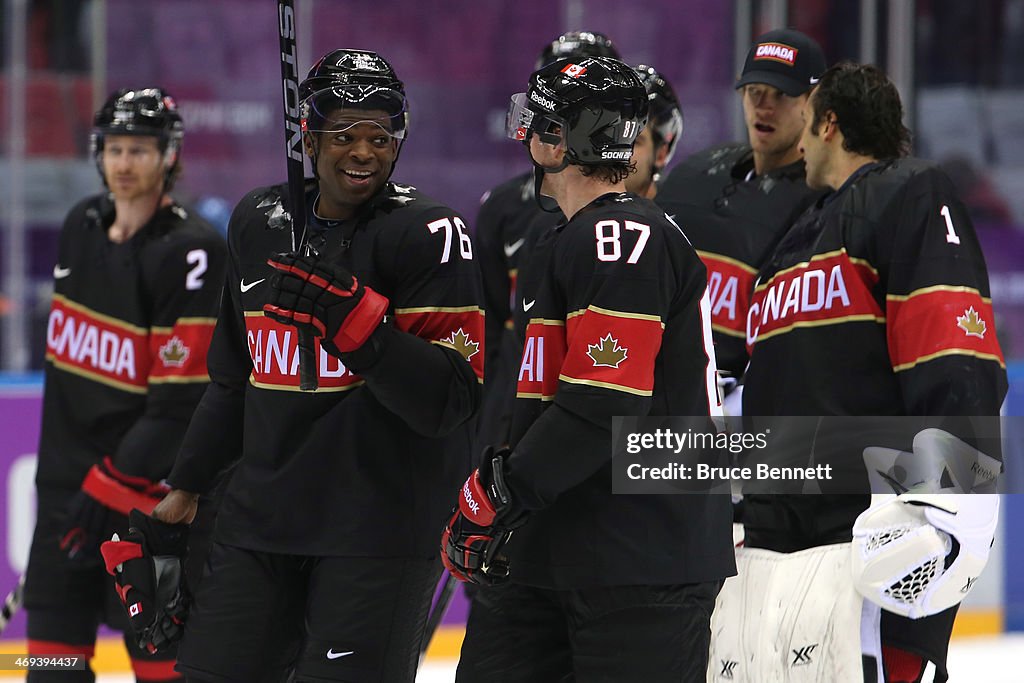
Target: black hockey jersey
<point x="501" y="241"/>
<point x="613" y="315"/>
<point x="368" y="465"/>
<point x="126" y="341"/>
<point x="733" y="222"/>
<point x="876" y="302"/>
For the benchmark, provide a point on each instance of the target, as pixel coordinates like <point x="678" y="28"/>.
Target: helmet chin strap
<point x="538" y="178"/>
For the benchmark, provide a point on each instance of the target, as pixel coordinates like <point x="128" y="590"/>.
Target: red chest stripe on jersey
<point x="275" y="358"/>
<point x="96" y="346"/>
<point x="460" y="328"/>
<point x="829" y="289"/>
<point x="940" y="321"/>
<point x="612" y="349"/>
<point x="179" y="352"/>
<point x="729" y="285"/>
<point x="543" y="356"/>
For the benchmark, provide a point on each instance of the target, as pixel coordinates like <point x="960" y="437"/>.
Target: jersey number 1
<point x="951" y="235"/>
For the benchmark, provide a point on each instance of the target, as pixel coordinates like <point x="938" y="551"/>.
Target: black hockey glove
<point x="104" y="489"/>
<point x="149" y="569"/>
<point x="325" y="299"/>
<point x="481" y="524"/>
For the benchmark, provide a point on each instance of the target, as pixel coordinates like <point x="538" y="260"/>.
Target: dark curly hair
<point x="609" y="173"/>
<point x="867" y="108"/>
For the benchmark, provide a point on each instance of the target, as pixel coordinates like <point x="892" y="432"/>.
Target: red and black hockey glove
<point x="473" y="541"/>
<point x="148" y="566"/>
<point x="104" y="489"/>
<point x="326" y="300"/>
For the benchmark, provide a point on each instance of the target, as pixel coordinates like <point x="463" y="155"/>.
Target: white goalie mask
<point x="919" y="554"/>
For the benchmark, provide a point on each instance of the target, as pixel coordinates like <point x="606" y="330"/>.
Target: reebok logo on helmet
<point x="777" y="52"/>
<point x="542" y="101"/>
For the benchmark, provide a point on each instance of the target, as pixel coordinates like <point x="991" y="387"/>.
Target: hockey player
<point x="502" y="223"/>
<point x="614" y="319"/>
<point x="906" y="329"/>
<point x="136" y="288"/>
<point x="324" y="558"/>
<point x="734" y="201"/>
<point x="656" y="144"/>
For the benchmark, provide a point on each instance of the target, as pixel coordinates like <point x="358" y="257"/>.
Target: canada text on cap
<point x="785" y="59"/>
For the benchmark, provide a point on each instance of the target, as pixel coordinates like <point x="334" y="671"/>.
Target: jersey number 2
<point x="197" y="259"/>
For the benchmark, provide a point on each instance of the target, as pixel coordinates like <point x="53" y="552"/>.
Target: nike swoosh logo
<point x="512" y="247"/>
<point x="60" y="273"/>
<point x="528" y="306"/>
<point x="331" y="654"/>
<point x="814" y="80"/>
<point x="246" y="287"/>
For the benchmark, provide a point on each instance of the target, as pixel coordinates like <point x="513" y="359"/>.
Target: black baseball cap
<point x="785" y="59"/>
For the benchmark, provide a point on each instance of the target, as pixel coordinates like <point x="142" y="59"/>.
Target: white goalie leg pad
<point x="919" y="554"/>
<point x="792" y="618"/>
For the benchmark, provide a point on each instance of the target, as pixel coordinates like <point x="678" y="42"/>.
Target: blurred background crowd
<point x="959" y="65"/>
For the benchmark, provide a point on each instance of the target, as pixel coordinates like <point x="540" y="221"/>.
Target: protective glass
<point x="520" y="121"/>
<point x="336" y="109"/>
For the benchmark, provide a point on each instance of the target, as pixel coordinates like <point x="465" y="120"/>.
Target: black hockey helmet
<point x="353" y="79"/>
<point x="577" y="45"/>
<point x="597" y="106"/>
<point x="145" y="111"/>
<point x="665" y="116"/>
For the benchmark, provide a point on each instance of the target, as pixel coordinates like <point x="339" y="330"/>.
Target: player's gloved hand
<point x="325" y="299"/>
<point x="919" y="554"/>
<point x="148" y="568"/>
<point x="481" y="524"/>
<point x="104" y="489"/>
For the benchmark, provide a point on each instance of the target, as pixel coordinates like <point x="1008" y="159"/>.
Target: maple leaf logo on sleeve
<point x="971" y="323"/>
<point x="174" y="353"/>
<point x="607" y="353"/>
<point x="461" y="342"/>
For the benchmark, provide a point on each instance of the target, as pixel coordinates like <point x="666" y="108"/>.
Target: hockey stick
<point x="12" y="603"/>
<point x="308" y="378"/>
<point x="448" y="586"/>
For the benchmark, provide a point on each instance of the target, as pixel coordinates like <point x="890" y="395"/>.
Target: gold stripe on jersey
<point x="728" y="331"/>
<point x="727" y="259"/>
<point x="165" y="329"/>
<point x="618" y="314"/>
<point x="95" y="376"/>
<point x="606" y="385"/>
<point x="319" y="390"/>
<point x="180" y="379"/>
<point x="938" y="288"/>
<point x="860" y="317"/>
<point x="439" y="309"/>
<point x="115" y="322"/>
<point x="951" y="352"/>
<point x="819" y="257"/>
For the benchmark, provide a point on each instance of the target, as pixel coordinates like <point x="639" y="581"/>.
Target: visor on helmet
<point x="521" y="120"/>
<point x="340" y="107"/>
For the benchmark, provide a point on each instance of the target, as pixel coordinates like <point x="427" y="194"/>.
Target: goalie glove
<point x="148" y="568"/>
<point x="104" y="488"/>
<point x="473" y="541"/>
<point x="940" y="463"/>
<point x="919" y="554"/>
<point x="324" y="299"/>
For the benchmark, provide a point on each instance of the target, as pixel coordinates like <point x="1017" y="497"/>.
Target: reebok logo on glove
<point x="474" y="506"/>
